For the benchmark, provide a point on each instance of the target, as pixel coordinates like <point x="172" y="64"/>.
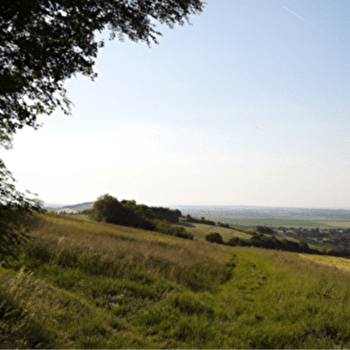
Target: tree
<point x="166" y="214"/>
<point x="44" y="42"/>
<point x="109" y="209"/>
<point x="105" y="208"/>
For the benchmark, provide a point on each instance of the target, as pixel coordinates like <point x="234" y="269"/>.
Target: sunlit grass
<point x="335" y="262"/>
<point x="82" y="284"/>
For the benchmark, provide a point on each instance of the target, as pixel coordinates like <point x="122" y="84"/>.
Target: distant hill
<point x="69" y="208"/>
<point x="53" y="205"/>
<point x="262" y="211"/>
<point x="80" y="207"/>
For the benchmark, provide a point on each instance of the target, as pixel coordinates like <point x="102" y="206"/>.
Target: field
<point x="276" y="221"/>
<point x="82" y="284"/>
<point x="201" y="230"/>
<point x="332" y="261"/>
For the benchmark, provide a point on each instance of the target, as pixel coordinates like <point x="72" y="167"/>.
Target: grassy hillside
<point x="199" y="231"/>
<point x="82" y="284"/>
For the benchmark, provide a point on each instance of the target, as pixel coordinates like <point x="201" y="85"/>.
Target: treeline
<point x="166" y="214"/>
<point x="127" y="213"/>
<point x="274" y="243"/>
<point x="189" y="218"/>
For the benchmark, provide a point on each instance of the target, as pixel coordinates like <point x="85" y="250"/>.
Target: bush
<point x="183" y="234"/>
<point x="128" y="213"/>
<point x="165" y="227"/>
<point x="264" y="229"/>
<point x="109" y="209"/>
<point x="235" y="241"/>
<point x="223" y="225"/>
<point x="189" y="218"/>
<point x="166" y="214"/>
<point x="214" y="237"/>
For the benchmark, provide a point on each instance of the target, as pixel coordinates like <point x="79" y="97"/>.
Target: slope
<point x="82" y="284"/>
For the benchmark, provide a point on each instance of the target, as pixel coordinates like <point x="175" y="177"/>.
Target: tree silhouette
<point x="45" y="42"/>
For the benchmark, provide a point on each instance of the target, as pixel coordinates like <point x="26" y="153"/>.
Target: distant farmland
<point x="276" y="221"/>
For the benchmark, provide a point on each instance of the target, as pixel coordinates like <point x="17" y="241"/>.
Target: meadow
<point x="83" y="284"/>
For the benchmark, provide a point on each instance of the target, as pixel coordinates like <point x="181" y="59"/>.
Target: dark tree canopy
<point x="45" y="42"/>
<point x="166" y="214"/>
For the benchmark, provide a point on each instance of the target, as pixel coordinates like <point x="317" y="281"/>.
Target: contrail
<point x="303" y="19"/>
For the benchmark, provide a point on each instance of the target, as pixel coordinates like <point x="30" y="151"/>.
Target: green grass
<point x="82" y="284"/>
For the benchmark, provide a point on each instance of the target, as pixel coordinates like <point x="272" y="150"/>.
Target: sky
<point x="249" y="105"/>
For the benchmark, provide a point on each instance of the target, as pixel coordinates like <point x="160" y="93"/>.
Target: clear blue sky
<point x="248" y="106"/>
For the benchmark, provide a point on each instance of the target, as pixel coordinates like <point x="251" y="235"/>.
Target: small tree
<point x="105" y="208"/>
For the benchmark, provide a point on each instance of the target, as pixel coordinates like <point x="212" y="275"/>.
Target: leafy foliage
<point x="15" y="208"/>
<point x="166" y="214"/>
<point x="128" y="213"/>
<point x="214" y="237"/>
<point x="45" y="42"/>
<point x="189" y="218"/>
<point x="14" y="230"/>
<point x="264" y="229"/>
<point x="109" y="209"/>
<point x="164" y="226"/>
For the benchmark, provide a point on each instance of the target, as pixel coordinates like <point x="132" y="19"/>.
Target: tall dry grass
<point x="181" y="260"/>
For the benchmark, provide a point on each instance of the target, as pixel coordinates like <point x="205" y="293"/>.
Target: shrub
<point x="181" y="232"/>
<point x="214" y="237"/>
<point x="264" y="229"/>
<point x="164" y="226"/>
<point x="189" y="218"/>
<point x="220" y="224"/>
<point x="166" y="214"/>
<point x="235" y="241"/>
<point x="109" y="209"/>
<point x="128" y="213"/>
